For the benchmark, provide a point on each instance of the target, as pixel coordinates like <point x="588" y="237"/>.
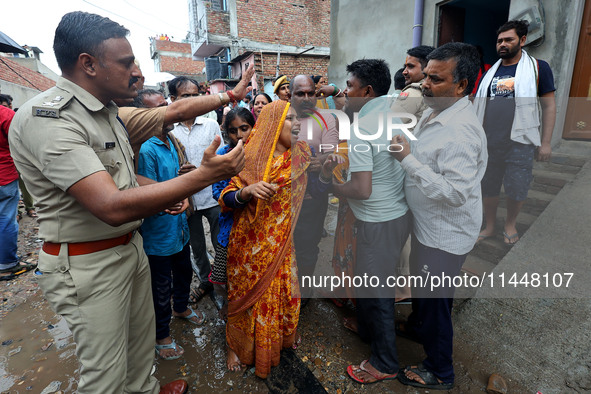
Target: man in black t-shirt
<point x="508" y="102"/>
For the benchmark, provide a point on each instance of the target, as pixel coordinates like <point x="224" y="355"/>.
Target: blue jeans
<point x="8" y="225"/>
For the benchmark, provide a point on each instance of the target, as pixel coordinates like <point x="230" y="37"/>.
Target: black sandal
<point x="431" y="381"/>
<point x="15" y="271"/>
<point x="198" y="294"/>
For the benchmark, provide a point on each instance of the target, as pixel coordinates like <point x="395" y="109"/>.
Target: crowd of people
<point x="123" y="177"/>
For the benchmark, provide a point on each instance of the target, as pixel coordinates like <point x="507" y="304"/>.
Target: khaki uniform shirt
<point x="60" y="137"/>
<point x="410" y="100"/>
<point x="142" y="123"/>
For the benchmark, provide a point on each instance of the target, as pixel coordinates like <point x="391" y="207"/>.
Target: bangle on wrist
<point x="324" y="180"/>
<point x="221" y="97"/>
<point x="334" y="92"/>
<point x="231" y="96"/>
<point x="238" y="197"/>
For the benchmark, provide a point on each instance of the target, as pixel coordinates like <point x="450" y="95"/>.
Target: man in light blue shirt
<point x="166" y="241"/>
<point x="375" y="194"/>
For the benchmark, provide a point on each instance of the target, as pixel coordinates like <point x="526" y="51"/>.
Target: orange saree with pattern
<point x="263" y="291"/>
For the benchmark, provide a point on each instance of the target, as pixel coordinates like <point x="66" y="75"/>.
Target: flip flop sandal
<point x="172" y="346"/>
<point x="510" y="238"/>
<point x="431" y="381"/>
<point x="199" y="322"/>
<point x="482" y="238"/>
<point x="352" y="370"/>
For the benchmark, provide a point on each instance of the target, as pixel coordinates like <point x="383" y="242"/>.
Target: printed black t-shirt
<point x="500" y="105"/>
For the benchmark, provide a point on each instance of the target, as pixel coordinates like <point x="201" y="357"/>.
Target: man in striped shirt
<point x="442" y="189"/>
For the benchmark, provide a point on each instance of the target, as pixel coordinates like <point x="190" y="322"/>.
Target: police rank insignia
<point x="49" y="109"/>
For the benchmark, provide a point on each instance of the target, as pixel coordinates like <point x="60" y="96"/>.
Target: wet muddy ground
<point x="37" y="353"/>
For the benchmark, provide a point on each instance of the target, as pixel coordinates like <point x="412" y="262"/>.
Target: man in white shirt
<point x="442" y="189"/>
<point x="194" y="134"/>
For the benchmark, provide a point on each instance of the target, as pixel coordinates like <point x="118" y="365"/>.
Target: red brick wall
<point x="181" y="65"/>
<point x="288" y="22"/>
<point x="172" y="46"/>
<point x="218" y="22"/>
<point x="291" y="65"/>
<point x="9" y="71"/>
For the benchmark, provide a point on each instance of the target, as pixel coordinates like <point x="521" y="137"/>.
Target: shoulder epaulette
<point x="51" y="106"/>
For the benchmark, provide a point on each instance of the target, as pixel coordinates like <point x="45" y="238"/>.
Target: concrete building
<point x="278" y="36"/>
<point x="175" y="58"/>
<point x="559" y="34"/>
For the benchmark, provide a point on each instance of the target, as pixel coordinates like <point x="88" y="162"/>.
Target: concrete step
<point x="539" y="172"/>
<point x="549" y="179"/>
<point x="547" y="182"/>
<point x="474" y="265"/>
<point x="561" y="167"/>
<point x="568" y="160"/>
<point x="535" y="203"/>
<point x="525" y="219"/>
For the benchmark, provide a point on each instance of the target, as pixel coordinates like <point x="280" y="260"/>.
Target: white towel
<point x="526" y="122"/>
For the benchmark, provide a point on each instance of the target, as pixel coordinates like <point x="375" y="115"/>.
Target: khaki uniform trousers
<point x="106" y="300"/>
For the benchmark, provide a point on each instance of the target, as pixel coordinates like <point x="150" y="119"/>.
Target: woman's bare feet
<point x="233" y="362"/>
<point x="297" y="342"/>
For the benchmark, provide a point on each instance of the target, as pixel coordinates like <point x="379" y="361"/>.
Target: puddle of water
<point x="47" y="349"/>
<point x="203" y="364"/>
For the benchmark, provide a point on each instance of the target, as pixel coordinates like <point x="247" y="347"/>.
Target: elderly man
<point x="74" y="156"/>
<point x="442" y="188"/>
<point x="310" y="225"/>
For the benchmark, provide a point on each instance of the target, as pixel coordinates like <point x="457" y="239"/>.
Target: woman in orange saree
<point x="263" y="291"/>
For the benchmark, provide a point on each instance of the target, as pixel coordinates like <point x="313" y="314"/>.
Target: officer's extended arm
<point x="99" y="194"/>
<point x="191" y="107"/>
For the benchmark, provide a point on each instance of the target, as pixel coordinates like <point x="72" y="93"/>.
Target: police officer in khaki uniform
<point x="75" y="158"/>
<point x="410" y="100"/>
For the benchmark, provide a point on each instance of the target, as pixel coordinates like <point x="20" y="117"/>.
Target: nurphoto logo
<point x="386" y="122"/>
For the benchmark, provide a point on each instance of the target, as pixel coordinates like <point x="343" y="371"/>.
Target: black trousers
<point x="378" y="251"/>
<point x="307" y="236"/>
<point x="431" y="310"/>
<point x="171" y="275"/>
